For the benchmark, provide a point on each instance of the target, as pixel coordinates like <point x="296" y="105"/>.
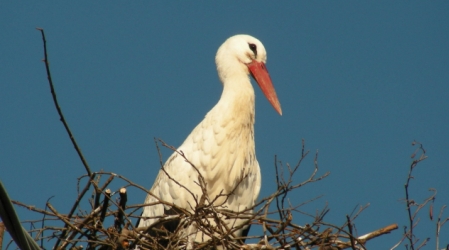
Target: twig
<point x="42" y="225"/>
<point x="104" y="208"/>
<point x="32" y="208"/>
<point x="351" y="237"/>
<point x="439" y="225"/>
<point x="410" y="235"/>
<point x="55" y="100"/>
<point x="75" y="205"/>
<point x="379" y="232"/>
<point x="122" y="206"/>
<point x="2" y="232"/>
<point x="58" y="108"/>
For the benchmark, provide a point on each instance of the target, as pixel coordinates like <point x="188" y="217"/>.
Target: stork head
<point x="244" y="54"/>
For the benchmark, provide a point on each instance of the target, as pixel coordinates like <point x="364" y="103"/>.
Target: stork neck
<point x="237" y="100"/>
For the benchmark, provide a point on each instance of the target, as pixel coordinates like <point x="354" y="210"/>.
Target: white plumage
<point x="221" y="147"/>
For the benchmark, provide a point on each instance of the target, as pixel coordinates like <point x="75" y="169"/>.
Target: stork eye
<point x="253" y="48"/>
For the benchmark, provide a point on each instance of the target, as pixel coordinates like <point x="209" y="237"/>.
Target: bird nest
<point x="108" y="222"/>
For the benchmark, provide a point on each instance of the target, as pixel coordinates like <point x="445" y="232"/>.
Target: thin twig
<point x="55" y="100"/>
<point x="351" y="237"/>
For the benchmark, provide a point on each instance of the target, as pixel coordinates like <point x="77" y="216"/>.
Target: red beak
<point x="260" y="74"/>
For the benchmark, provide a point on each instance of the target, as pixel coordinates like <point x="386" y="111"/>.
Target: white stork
<point x="221" y="147"/>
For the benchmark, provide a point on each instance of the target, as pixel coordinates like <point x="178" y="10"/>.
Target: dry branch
<point x="2" y="232"/>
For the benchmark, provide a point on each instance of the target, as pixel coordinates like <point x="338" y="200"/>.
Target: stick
<point x="2" y="232"/>
<point x="58" y="108"/>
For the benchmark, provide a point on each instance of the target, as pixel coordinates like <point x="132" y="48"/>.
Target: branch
<point x="2" y="232"/>
<point x="411" y="216"/>
<point x="58" y="108"/>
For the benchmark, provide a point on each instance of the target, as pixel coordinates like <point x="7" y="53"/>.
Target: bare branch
<point x="58" y="108"/>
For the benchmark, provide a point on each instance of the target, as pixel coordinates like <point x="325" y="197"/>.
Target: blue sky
<point x="359" y="81"/>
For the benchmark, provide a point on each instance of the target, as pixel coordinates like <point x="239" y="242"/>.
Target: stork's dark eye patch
<point x="253" y="47"/>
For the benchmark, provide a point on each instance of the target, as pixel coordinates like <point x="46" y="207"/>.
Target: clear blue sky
<point x="359" y="81"/>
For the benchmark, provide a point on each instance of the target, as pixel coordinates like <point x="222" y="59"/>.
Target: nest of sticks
<point x="108" y="222"/>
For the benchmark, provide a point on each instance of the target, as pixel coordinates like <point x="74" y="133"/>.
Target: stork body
<point x="222" y="146"/>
